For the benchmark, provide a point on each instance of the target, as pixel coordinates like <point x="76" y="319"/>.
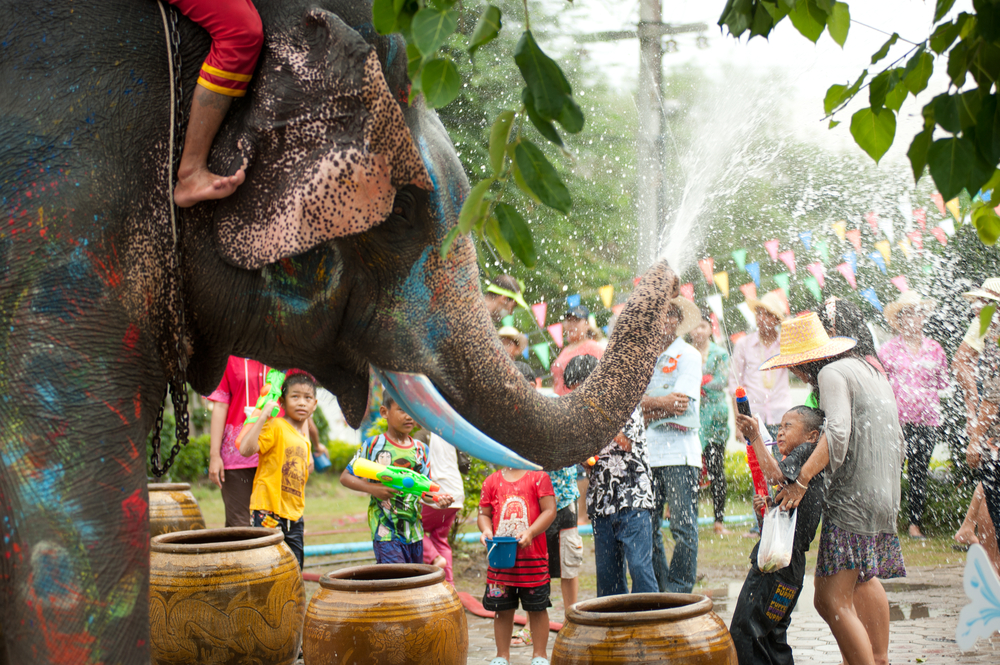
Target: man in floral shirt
<point x="618" y="503"/>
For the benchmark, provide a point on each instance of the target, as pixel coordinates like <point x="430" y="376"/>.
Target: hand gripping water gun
<point x="398" y="478"/>
<point x="269" y="392"/>
<point x="759" y="484"/>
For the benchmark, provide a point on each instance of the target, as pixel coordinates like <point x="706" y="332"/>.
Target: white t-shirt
<point x="678" y="369"/>
<point x="443" y="460"/>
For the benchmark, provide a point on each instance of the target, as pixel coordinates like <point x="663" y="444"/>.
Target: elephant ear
<point x="324" y="143"/>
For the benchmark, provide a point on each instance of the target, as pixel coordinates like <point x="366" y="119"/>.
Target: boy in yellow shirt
<point x="278" y="498"/>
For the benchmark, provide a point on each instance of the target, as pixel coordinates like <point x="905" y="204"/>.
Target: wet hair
<point x="578" y="369"/>
<point x="387" y="402"/>
<point x="299" y="378"/>
<point x="813" y="418"/>
<point x="526" y="371"/>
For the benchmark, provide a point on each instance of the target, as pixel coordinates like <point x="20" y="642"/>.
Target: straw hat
<point x="803" y="340"/>
<point x="771" y="302"/>
<point x="690" y="316"/>
<point x="509" y="331"/>
<point x="990" y="290"/>
<point x="905" y="300"/>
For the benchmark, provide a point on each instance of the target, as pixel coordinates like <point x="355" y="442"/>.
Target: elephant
<point x="328" y="258"/>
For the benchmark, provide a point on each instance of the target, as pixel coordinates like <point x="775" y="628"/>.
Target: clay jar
<point x="172" y="507"/>
<point x="644" y="628"/>
<point x="388" y="614"/>
<point x="220" y="596"/>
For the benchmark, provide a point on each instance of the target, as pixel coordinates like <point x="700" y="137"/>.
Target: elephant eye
<point x="397" y="210"/>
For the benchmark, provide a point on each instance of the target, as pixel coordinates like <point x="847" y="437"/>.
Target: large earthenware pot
<point x="644" y="628"/>
<point x="172" y="507"/>
<point x="391" y="614"/>
<point x="224" y="596"/>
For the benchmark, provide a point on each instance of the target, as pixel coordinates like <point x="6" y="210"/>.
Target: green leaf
<point x="985" y="65"/>
<point x="958" y="64"/>
<point x="838" y="22"/>
<point x="518" y="176"/>
<point x="440" y="82"/>
<point x="492" y="230"/>
<point x="517" y="234"/>
<point x="988" y="130"/>
<point x="449" y="238"/>
<point x="808" y="19"/>
<point x="384" y="16"/>
<point x="985" y="316"/>
<point x="487" y="28"/>
<point x="763" y="22"/>
<point x="853" y="90"/>
<point x="474" y="209"/>
<point x="942" y="8"/>
<point x="541" y="177"/>
<point x="987" y="225"/>
<point x="432" y="27"/>
<point x="737" y="16"/>
<point x="944" y="35"/>
<point x="499" y="134"/>
<point x="895" y="97"/>
<point x="951" y="161"/>
<point x="544" y="127"/>
<point x="834" y="96"/>
<point x="874" y="131"/>
<point x="918" y="152"/>
<point x="833" y="123"/>
<point x="414" y="61"/>
<point x="571" y="117"/>
<point x="882" y="52"/>
<point x="549" y="87"/>
<point x="881" y="85"/>
<point x="918" y="71"/>
<point x="968" y="104"/>
<point x="946" y="113"/>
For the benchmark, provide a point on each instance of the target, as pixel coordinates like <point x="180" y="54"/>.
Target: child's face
<point x="399" y="420"/>
<point x="793" y="432"/>
<point x="300" y="401"/>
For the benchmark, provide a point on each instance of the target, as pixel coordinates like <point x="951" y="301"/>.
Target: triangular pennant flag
<point x="747" y="314"/>
<point x="636" y="280"/>
<point x="573" y="301"/>
<point x="823" y="250"/>
<point x="904" y="245"/>
<point x="557" y="333"/>
<point x="852" y="260"/>
<point x="845" y="270"/>
<point x="754" y="270"/>
<point x="607" y="295"/>
<point x="542" y="351"/>
<point x="716" y="330"/>
<point x="707" y="267"/>
<point x="687" y="290"/>
<point x="507" y="320"/>
<point x="524" y="354"/>
<point x="885" y="250"/>
<point x="813" y="285"/>
<point x="806" y="238"/>
<point x="948" y="225"/>
<point x="783" y="298"/>
<point x="854" y="235"/>
<point x="917" y="239"/>
<point x="885" y="223"/>
<point x="928" y="270"/>
<point x="920" y="217"/>
<point x="617" y="309"/>
<point x="872" y="297"/>
<point x="540" y="310"/>
<point x="714" y="303"/>
<point x="938" y="201"/>
<point x="839" y="228"/>
<point x="740" y="257"/>
<point x="941" y="236"/>
<point x="772" y="248"/>
<point x="722" y="281"/>
<point x="788" y="258"/>
<point x="900" y="283"/>
<point x="872" y="219"/>
<point x="877" y="259"/>
<point x="952" y="207"/>
<point x="749" y="291"/>
<point x="737" y="336"/>
<point x="818" y="272"/>
<point x="781" y="279"/>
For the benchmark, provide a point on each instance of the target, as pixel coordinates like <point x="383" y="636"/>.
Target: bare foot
<point x="721" y="530"/>
<point x="966" y="536"/>
<point x="203" y="185"/>
<point x="915" y="532"/>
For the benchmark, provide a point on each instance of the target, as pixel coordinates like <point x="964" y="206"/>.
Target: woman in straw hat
<point x="862" y="452"/>
<point x="918" y="371"/>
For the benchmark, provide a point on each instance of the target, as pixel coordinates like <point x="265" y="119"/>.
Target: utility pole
<point x="649" y="162"/>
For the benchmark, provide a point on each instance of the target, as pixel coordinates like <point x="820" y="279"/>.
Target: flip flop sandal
<point x="539" y="660"/>
<point x="499" y="661"/>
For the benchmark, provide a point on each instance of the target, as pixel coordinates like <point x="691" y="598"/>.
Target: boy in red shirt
<point x="521" y="504"/>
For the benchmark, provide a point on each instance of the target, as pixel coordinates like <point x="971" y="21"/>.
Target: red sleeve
<point x="543" y="484"/>
<point x="224" y="393"/>
<point x="486" y="496"/>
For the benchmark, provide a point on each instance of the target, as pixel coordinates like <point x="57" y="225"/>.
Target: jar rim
<point x="168" y="487"/>
<point x="382" y="577"/>
<point x="233" y="539"/>
<point x="630" y="609"/>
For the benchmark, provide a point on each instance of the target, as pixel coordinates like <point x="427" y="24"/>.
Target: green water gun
<point x="398" y="478"/>
<point x="269" y="392"/>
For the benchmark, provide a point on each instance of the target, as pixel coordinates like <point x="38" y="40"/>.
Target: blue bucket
<point x="321" y="463"/>
<point x="501" y="551"/>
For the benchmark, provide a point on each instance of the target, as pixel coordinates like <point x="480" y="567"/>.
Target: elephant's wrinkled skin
<point x="87" y="278"/>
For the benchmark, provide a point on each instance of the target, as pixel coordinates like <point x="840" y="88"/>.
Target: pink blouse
<point x="916" y="379"/>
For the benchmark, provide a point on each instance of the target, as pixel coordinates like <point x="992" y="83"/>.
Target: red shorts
<point x="237" y="36"/>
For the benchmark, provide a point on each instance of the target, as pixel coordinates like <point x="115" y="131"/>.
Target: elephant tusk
<point x="420" y="398"/>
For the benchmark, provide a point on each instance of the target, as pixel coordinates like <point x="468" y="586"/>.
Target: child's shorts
<point x="394" y="551"/>
<point x="565" y="545"/>
<point x="500" y="597"/>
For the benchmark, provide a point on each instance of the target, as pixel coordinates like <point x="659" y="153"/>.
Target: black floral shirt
<point x="622" y="480"/>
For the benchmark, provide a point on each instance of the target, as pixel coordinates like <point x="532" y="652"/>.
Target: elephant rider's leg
<point x="237" y="37"/>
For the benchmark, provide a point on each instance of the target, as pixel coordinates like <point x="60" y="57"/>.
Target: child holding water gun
<point x="394" y="516"/>
<point x="284" y="461"/>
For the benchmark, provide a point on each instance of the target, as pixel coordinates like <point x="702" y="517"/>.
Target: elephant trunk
<point x="558" y="432"/>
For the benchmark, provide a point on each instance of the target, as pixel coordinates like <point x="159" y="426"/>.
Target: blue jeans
<point x="624" y="537"/>
<point x="676" y="486"/>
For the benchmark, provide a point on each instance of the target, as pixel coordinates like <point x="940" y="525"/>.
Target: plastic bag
<point x="776" y="539"/>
